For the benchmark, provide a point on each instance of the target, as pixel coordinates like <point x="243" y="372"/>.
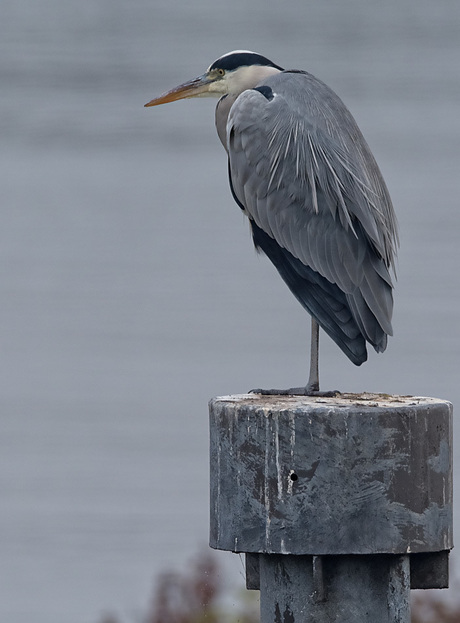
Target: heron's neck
<point x="241" y="80"/>
<point x="222" y="112"/>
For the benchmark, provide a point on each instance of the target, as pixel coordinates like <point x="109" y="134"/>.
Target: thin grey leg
<point x="313" y="380"/>
<point x="312" y="387"/>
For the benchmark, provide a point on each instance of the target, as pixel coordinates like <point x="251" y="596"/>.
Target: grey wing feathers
<point x="305" y="176"/>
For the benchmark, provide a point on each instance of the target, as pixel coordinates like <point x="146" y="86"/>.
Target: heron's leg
<point x="313" y="380"/>
<point x="312" y="387"/>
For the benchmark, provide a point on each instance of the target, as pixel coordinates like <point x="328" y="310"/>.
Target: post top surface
<point x="364" y="399"/>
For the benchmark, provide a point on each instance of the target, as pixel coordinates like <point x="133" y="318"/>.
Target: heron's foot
<point x="296" y="391"/>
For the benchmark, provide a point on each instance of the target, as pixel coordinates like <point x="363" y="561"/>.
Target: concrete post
<point x="342" y="505"/>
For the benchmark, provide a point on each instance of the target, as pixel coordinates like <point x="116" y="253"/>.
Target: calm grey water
<point x="130" y="292"/>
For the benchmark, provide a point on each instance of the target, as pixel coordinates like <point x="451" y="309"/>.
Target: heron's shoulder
<point x="298" y="94"/>
<point x="296" y="79"/>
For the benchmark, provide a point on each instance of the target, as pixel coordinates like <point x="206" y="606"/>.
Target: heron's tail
<point x="323" y="300"/>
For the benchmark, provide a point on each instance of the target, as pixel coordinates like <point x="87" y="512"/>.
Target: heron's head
<point x="231" y="74"/>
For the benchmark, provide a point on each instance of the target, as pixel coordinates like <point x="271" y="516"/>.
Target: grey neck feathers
<point x="222" y="111"/>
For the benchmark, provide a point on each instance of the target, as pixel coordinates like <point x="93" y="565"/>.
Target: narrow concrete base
<point x="345" y="589"/>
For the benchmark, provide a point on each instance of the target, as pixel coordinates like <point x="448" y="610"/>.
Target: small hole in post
<point x="294" y="476"/>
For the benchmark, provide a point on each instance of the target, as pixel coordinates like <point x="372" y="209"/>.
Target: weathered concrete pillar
<point x="355" y="589"/>
<point x="340" y="504"/>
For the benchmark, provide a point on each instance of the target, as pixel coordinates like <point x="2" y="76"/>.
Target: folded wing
<point x="318" y="205"/>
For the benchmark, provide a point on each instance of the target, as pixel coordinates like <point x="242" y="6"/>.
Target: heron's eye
<point x="221" y="72"/>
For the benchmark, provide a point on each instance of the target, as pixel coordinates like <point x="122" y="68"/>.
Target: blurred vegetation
<point x="435" y="606"/>
<point x="198" y="595"/>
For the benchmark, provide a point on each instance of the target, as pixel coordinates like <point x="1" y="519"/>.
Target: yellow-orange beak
<point x="198" y="87"/>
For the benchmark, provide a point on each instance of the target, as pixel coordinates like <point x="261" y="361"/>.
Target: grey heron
<point x="318" y="206"/>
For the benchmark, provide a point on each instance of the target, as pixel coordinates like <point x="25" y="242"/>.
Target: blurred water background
<point x="130" y="291"/>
